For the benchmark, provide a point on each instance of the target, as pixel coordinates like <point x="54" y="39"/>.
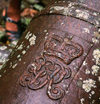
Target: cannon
<point x="57" y="60"/>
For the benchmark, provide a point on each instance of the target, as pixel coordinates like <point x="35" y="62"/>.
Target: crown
<point x="62" y="48"/>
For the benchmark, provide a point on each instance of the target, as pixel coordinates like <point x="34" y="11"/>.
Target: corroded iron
<point x="47" y="69"/>
<point x="57" y="60"/>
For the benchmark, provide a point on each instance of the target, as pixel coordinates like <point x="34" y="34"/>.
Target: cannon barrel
<point x="57" y="60"/>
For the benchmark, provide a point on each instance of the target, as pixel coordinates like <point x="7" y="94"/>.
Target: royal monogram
<point x="51" y="68"/>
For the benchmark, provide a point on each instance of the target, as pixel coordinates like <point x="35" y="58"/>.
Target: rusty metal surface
<point x="57" y="60"/>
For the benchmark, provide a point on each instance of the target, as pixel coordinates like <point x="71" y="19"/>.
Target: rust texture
<point x="47" y="69"/>
<point x="57" y="60"/>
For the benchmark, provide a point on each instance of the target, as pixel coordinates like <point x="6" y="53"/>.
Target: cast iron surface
<point x="48" y="65"/>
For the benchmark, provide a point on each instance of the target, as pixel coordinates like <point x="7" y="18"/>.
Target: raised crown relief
<point x="64" y="49"/>
<point x="51" y="68"/>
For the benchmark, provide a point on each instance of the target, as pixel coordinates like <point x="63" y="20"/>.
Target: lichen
<point x="84" y="63"/>
<point x="28" y="35"/>
<point x="99" y="78"/>
<point x="18" y="56"/>
<point x="20" y="47"/>
<point x="82" y="14"/>
<point x="95" y="70"/>
<point x="86" y="30"/>
<point x="88" y="85"/>
<point x="92" y="92"/>
<point x="82" y="100"/>
<point x="96" y="55"/>
<point x="14" y="65"/>
<point x="95" y="40"/>
<point x="87" y="71"/>
<point x="32" y="40"/>
<point x="23" y="52"/>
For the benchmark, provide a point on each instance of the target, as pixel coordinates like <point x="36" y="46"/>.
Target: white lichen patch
<point x="64" y="86"/>
<point x="82" y="14"/>
<point x="64" y="10"/>
<point x="97" y="23"/>
<point x="62" y="23"/>
<point x="95" y="14"/>
<point x="90" y="95"/>
<point x="32" y="40"/>
<point x="82" y="100"/>
<point x="12" y="53"/>
<point x="59" y="54"/>
<point x="92" y="92"/>
<point x="88" y="85"/>
<point x="96" y="37"/>
<point x="95" y="40"/>
<point x="96" y="55"/>
<point x="57" y="8"/>
<point x="14" y="43"/>
<point x="23" y="52"/>
<point x="87" y="71"/>
<point x="0" y="67"/>
<point x="3" y="57"/>
<point x="0" y="76"/>
<point x="99" y="30"/>
<point x="10" y="50"/>
<point x="97" y="34"/>
<point x="14" y="65"/>
<point x="20" y="59"/>
<point x="28" y="35"/>
<point x="84" y="63"/>
<point x="28" y="47"/>
<point x="20" y="47"/>
<point x="85" y="30"/>
<point x="18" y="56"/>
<point x="95" y="70"/>
<point x="45" y="31"/>
<point x="34" y="66"/>
<point x="10" y="65"/>
<point x="99" y="78"/>
<point x="71" y="10"/>
<point x="67" y="92"/>
<point x="80" y="78"/>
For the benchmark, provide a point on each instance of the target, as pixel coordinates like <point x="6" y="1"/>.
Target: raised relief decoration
<point x="51" y="68"/>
